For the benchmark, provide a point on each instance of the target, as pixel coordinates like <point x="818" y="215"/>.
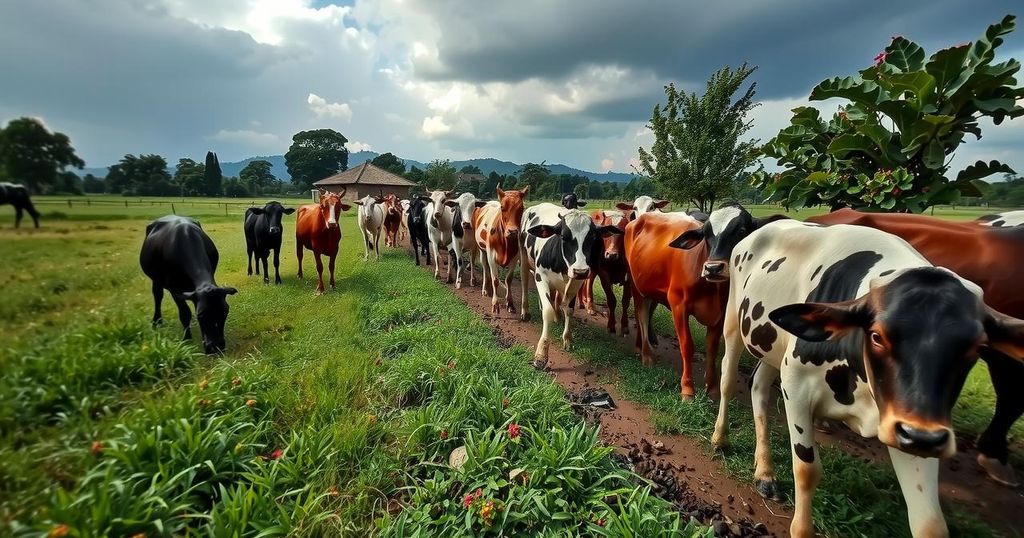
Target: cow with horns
<point x="317" y="229"/>
<point x="371" y="221"/>
<point x="497" y="226"/>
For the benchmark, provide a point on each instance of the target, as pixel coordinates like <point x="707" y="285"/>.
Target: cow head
<point x="724" y="228"/>
<point x="464" y="206"/>
<point x="642" y="204"/>
<point x="391" y="205"/>
<point x="211" y="313"/>
<point x="920" y="331"/>
<point x="613" y="244"/>
<point x="273" y="212"/>
<point x="578" y="237"/>
<point x="512" y="204"/>
<point x="570" y="201"/>
<point x="417" y="207"/>
<point x="368" y="204"/>
<point x="438" y="199"/>
<point x="331" y="206"/>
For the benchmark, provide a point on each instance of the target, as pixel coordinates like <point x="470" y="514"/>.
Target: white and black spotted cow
<point x="463" y="239"/>
<point x="1002" y="220"/>
<point x="439" y="229"/>
<point x="862" y="329"/>
<point x="642" y="204"/>
<point x="559" y="248"/>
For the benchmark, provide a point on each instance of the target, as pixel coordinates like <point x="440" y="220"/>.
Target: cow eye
<point x="876" y="339"/>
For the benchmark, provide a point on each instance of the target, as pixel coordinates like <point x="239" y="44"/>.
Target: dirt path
<point x="962" y="482"/>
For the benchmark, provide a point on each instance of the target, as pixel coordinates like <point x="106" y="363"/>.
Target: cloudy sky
<point x="528" y="80"/>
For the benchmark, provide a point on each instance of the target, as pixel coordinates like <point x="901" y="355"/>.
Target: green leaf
<point x="946" y="66"/>
<point x="904" y="54"/>
<point x="820" y="178"/>
<point x="981" y="169"/>
<point x="918" y="83"/>
<point x="851" y="88"/>
<point x="934" y="155"/>
<point x="984" y="49"/>
<point x="844" y="144"/>
<point x="1003" y="104"/>
<point x="938" y="119"/>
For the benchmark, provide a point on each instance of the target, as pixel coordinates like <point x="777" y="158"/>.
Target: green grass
<point x="325" y="417"/>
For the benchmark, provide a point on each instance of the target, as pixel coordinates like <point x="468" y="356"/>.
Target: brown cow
<point x="497" y="236"/>
<point x="989" y="257"/>
<point x="316" y="228"/>
<point x="661" y="274"/>
<point x="611" y="269"/>
<point x="392" y="220"/>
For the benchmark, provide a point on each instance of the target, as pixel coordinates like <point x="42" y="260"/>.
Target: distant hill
<point x="486" y="165"/>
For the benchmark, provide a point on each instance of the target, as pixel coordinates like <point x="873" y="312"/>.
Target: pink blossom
<point x="880" y="59"/>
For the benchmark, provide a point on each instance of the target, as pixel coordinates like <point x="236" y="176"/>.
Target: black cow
<point x="417" y="223"/>
<point x="569" y="201"/>
<point x="263" y="231"/>
<point x="17" y="195"/>
<point x="179" y="256"/>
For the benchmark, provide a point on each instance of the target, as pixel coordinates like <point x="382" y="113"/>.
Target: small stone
<point x="458" y="457"/>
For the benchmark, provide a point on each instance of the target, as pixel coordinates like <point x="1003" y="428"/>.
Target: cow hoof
<point x="525" y="316"/>
<point x="511" y="309"/>
<point x="266" y="281"/>
<point x="611" y="329"/>
<point x="592" y="312"/>
<point x="715" y="393"/>
<point x="769" y="489"/>
<point x="720" y="441"/>
<point x="540" y="363"/>
<point x="686" y="397"/>
<point x="999" y="472"/>
<point x="566" y="344"/>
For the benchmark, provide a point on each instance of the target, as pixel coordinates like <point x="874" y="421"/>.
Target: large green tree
<point x="93" y="185"/>
<point x="315" y="155"/>
<point x="259" y="178"/>
<point x="190" y="177"/>
<point x="699" y="153"/>
<point x="389" y="162"/>
<point x="144" y="175"/>
<point x="32" y="155"/>
<point x="538" y="177"/>
<point x="213" y="177"/>
<point x="889" y="147"/>
<point x="416" y="175"/>
<point x="440" y="174"/>
<point x="470" y="169"/>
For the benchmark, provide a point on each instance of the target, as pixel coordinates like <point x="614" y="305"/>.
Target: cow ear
<point x="451" y="203"/>
<point x="481" y="203"/>
<point x="229" y="290"/>
<point x="357" y="202"/>
<point x="765" y="220"/>
<point x="256" y="210"/>
<point x="189" y="296"/>
<point x="344" y="206"/>
<point x="543" y="231"/>
<point x="425" y="199"/>
<point x="606" y="231"/>
<point x="688" y="239"/>
<point x="581" y="203"/>
<point x="660" y="204"/>
<point x="289" y="210"/>
<point x="624" y="206"/>
<point x="817" y="322"/>
<point x="1005" y="334"/>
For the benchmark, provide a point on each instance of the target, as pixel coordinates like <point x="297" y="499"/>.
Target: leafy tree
<point x="416" y="175"/>
<point x="471" y="169"/>
<point x="258" y="177"/>
<point x="190" y="177"/>
<point x="32" y="155"/>
<point x="582" y="190"/>
<point x="440" y="175"/>
<point x="93" y="185"/>
<point x="389" y="162"/>
<point x="67" y="183"/>
<point x="143" y="175"/>
<point x="889" y="148"/>
<point x="235" y="187"/>
<point x="212" y="177"/>
<point x="538" y="177"/>
<point x="698" y="155"/>
<point x="639" y="186"/>
<point x="315" y="155"/>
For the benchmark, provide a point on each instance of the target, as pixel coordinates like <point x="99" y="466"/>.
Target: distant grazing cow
<point x="417" y="222"/>
<point x="17" y="196"/>
<point x="569" y="201"/>
<point x="392" y="220"/>
<point x="642" y="204"/>
<point x="371" y="220"/>
<point x="611" y="267"/>
<point x="863" y="330"/>
<point x="178" y="256"/>
<point x="497" y="234"/>
<point x="263" y="230"/>
<point x="316" y="228"/>
<point x="403" y="226"/>
<point x="989" y="257"/>
<point x="559" y="249"/>
<point x="1000" y="220"/>
<point x="439" y="228"/>
<point x="463" y="238"/>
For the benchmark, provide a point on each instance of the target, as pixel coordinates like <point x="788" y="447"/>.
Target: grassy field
<point x="327" y="416"/>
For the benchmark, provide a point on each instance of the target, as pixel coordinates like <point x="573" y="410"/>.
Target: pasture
<point x="333" y="415"/>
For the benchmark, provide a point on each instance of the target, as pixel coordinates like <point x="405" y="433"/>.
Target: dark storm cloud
<point x="796" y="43"/>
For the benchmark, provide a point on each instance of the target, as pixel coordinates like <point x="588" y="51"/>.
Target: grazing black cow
<point x="263" y="232"/>
<point x="570" y="201"/>
<point x="179" y="256"/>
<point x="17" y="195"/>
<point x="417" y="224"/>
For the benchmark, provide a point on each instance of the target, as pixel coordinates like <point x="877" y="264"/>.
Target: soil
<point x="682" y="470"/>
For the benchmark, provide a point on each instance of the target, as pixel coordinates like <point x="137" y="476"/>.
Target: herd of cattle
<point x="873" y="320"/>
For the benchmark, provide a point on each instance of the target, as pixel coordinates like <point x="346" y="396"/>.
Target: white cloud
<point x="355" y="146"/>
<point x="323" y="109"/>
<point x="607" y="164"/>
<point x="435" y="126"/>
<point x="248" y="137"/>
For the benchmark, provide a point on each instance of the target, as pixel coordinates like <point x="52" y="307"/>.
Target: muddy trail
<point x="680" y="466"/>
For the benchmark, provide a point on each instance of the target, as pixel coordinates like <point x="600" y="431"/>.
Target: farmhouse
<point x="365" y="179"/>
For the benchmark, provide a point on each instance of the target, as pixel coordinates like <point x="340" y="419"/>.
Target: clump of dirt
<point x="670" y="483"/>
<point x="590" y="403"/>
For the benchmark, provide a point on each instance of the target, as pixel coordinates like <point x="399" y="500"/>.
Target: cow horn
<point x="343" y="191"/>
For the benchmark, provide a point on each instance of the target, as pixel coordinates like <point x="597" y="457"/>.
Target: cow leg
<point x="495" y="276"/>
<point x="727" y="382"/>
<point x="434" y="251"/>
<point x="547" y="314"/>
<point x="681" y="320"/>
<point x="366" y="244"/>
<point x="454" y="259"/>
<point x="32" y="212"/>
<point x="330" y="266"/>
<point x="266" y="271"/>
<point x="248" y="259"/>
<point x="319" y="274"/>
<point x="1007" y="375"/>
<point x="277" y="266"/>
<point x="485" y="274"/>
<point x="572" y="290"/>
<point x="609" y="293"/>
<point x="643" y="311"/>
<point x="376" y="245"/>
<point x="415" y="249"/>
<point x="158" y="297"/>
<point x="627" y="292"/>
<point x="17" y="216"/>
<point x="760" y="396"/>
<point x="184" y="315"/>
<point x="919" y="480"/>
<point x="711" y="344"/>
<point x="806" y="460"/>
<point x="298" y="256"/>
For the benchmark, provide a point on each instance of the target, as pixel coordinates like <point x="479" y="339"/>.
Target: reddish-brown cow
<point x="661" y="274"/>
<point x="611" y="268"/>
<point x="316" y="228"/>
<point x="497" y="235"/>
<point x="989" y="257"/>
<point x="392" y="220"/>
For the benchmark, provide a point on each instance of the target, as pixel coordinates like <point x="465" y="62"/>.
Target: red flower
<point x="896" y="191"/>
<point x="444" y="434"/>
<point x="59" y="531"/>
<point x="467" y="501"/>
<point x="880" y="59"/>
<point x="97" y="448"/>
<point x="600" y="522"/>
<point x="478" y="493"/>
<point x="513" y="430"/>
<point x="842" y="115"/>
<point x="276" y="454"/>
<point x="451" y="365"/>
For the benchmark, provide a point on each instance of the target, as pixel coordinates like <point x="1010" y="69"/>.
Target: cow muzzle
<point x="512" y="232"/>
<point x="275" y="230"/>
<point x="715" y="271"/>
<point x="935" y="442"/>
<point x="332" y="224"/>
<point x="611" y="256"/>
<point x="466" y="226"/>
